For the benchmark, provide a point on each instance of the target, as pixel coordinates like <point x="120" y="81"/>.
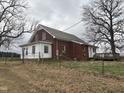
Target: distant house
<point x="106" y="56"/>
<point x="51" y="43"/>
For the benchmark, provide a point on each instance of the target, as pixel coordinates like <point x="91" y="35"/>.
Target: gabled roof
<point x="59" y="35"/>
<point x="63" y="35"/>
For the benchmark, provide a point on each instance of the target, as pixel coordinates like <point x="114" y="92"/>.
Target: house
<point x="49" y="43"/>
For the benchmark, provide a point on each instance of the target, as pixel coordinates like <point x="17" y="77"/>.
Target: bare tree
<point x="13" y="21"/>
<point x="105" y="22"/>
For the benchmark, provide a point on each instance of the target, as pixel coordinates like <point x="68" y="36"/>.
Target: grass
<point x="110" y="68"/>
<point x="60" y="77"/>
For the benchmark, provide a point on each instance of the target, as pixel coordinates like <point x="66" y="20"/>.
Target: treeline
<point x="9" y="54"/>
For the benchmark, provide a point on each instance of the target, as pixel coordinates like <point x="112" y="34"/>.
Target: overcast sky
<point x="59" y="14"/>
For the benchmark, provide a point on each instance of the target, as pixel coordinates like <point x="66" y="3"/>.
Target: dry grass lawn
<point x="47" y="78"/>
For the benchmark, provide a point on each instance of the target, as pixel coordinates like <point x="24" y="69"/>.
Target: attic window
<point x="43" y="36"/>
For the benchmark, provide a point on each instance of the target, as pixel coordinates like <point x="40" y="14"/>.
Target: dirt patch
<point x="3" y="88"/>
<point x="12" y="83"/>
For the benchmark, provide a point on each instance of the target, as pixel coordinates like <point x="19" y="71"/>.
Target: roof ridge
<point x="59" y="34"/>
<point x="58" y="30"/>
<point x="63" y="32"/>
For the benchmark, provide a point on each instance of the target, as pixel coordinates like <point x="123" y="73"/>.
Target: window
<point x="26" y="51"/>
<point x="94" y="50"/>
<point x="33" y="49"/>
<point x="43" y="36"/>
<point x="64" y="49"/>
<point x="23" y="51"/>
<point x="46" y="49"/>
<point x="83" y="49"/>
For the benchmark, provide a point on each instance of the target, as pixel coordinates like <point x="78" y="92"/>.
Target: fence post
<point x="23" y="56"/>
<point x="103" y="67"/>
<point x="6" y="57"/>
<point x="42" y="58"/>
<point x="12" y="57"/>
<point x="39" y="58"/>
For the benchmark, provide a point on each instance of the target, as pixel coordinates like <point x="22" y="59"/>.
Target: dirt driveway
<point x="11" y="83"/>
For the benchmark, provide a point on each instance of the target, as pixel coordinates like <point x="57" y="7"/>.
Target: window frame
<point x="46" y="49"/>
<point x="84" y="48"/>
<point x="26" y="52"/>
<point x="33" y="49"/>
<point x="23" y="49"/>
<point x="94" y="50"/>
<point x="63" y="49"/>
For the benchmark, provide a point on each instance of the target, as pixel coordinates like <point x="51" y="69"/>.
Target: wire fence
<point x="101" y="66"/>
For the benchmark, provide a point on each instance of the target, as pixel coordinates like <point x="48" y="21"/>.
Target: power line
<point x="73" y="25"/>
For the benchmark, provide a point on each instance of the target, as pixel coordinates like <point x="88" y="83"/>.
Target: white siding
<point x="39" y="51"/>
<point x="91" y="52"/>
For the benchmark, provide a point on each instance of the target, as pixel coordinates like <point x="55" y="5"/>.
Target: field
<point x="61" y="77"/>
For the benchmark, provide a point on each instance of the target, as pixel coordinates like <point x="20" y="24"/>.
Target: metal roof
<point x="58" y="35"/>
<point x="62" y="35"/>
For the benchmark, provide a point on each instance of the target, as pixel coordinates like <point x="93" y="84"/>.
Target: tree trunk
<point x="112" y="37"/>
<point x="113" y="49"/>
